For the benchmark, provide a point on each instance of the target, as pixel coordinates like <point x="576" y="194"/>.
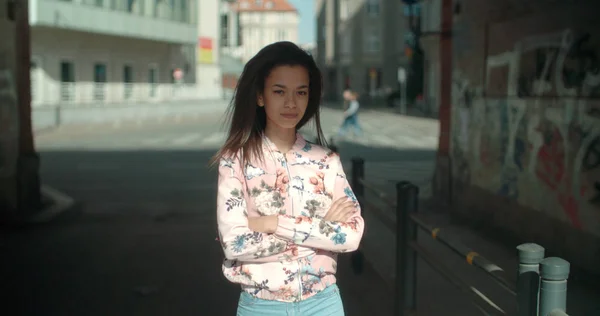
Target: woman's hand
<point x="263" y="224"/>
<point x="341" y="210"/>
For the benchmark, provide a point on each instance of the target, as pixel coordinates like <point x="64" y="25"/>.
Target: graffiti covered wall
<point x="526" y="112"/>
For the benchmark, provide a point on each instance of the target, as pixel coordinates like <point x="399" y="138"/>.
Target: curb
<point x="60" y="203"/>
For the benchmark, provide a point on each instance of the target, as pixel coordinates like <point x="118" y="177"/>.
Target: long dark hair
<point x="247" y="120"/>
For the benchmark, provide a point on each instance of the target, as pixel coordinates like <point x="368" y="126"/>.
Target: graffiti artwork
<point x="541" y="144"/>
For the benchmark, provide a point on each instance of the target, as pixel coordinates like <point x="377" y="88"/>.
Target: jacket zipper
<point x="293" y="214"/>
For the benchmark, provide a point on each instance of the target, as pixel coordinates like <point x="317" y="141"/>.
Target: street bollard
<point x="553" y="288"/>
<point x="528" y="280"/>
<point x="407" y="195"/>
<point x="358" y="174"/>
<point x="357" y="258"/>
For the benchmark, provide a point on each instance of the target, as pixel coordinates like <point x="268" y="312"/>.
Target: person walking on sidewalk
<point x="351" y="116"/>
<point x="284" y="206"/>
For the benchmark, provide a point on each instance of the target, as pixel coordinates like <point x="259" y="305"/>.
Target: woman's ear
<point x="260" y="100"/>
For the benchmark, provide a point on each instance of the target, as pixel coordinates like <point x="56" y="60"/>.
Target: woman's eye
<point x="303" y="93"/>
<point x="278" y="92"/>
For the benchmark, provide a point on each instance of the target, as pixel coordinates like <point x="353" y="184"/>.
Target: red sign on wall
<point x="205" y="43"/>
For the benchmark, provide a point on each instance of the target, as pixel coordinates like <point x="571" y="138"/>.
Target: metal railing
<point x="541" y="288"/>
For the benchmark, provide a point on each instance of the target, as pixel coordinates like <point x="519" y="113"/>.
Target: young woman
<point x="284" y="206"/>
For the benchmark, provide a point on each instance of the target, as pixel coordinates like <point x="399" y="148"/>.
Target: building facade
<point x="360" y="44"/>
<point x="250" y="25"/>
<point x="109" y="51"/>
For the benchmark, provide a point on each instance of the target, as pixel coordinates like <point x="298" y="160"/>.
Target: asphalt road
<point x="143" y="240"/>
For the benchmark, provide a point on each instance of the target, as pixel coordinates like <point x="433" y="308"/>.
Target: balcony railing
<point x="93" y="93"/>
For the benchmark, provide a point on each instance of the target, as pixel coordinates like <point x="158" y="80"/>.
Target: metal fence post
<point x="358" y="173"/>
<point x="528" y="280"/>
<point x="406" y="259"/>
<point x="553" y="287"/>
<point x="357" y="258"/>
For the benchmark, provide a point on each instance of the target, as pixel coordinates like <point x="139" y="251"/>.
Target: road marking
<point x="189" y="138"/>
<point x="153" y="141"/>
<point x="62" y="203"/>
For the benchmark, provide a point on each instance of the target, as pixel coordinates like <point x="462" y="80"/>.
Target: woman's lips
<point x="289" y="115"/>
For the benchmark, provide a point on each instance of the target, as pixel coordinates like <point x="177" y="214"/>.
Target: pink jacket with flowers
<point x="300" y="258"/>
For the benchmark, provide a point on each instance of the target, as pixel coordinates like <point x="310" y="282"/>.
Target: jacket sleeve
<point x="237" y="240"/>
<point x="326" y="235"/>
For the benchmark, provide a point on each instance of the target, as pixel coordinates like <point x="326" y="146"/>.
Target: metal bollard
<point x="553" y="288"/>
<point x="357" y="258"/>
<point x="406" y="259"/>
<point x="358" y="173"/>
<point x="528" y="280"/>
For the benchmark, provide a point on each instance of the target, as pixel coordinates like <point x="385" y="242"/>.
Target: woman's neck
<point x="283" y="138"/>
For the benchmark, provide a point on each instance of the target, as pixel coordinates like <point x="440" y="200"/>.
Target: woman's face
<point x="285" y="96"/>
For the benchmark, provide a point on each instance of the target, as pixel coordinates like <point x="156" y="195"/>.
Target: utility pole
<point x="414" y="52"/>
<point x="443" y="178"/>
<point x="28" y="162"/>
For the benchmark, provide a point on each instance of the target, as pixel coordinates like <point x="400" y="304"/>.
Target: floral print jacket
<point x="300" y="258"/>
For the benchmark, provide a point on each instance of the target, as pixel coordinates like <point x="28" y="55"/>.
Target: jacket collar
<point x="297" y="147"/>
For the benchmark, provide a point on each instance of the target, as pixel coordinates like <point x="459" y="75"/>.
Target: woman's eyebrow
<point x="304" y="86"/>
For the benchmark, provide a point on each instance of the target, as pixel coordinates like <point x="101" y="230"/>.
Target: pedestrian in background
<point x="351" y="115"/>
<point x="284" y="206"/>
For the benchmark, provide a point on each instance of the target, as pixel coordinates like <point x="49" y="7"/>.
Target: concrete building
<point x="209" y="76"/>
<point x="253" y="24"/>
<point x="360" y="43"/>
<point x="102" y="51"/>
<point x="525" y="133"/>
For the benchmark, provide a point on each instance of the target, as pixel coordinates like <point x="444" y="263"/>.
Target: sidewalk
<point x="131" y="264"/>
<point x="48" y="117"/>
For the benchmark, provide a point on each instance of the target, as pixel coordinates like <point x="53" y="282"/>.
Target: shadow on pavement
<point x="143" y="240"/>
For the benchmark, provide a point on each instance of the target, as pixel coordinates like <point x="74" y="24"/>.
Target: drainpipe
<point x="28" y="180"/>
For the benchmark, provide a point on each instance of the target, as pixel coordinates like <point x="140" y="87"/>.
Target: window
<point x="224" y="30"/>
<point x="373" y="41"/>
<point x="373" y="7"/>
<point x="127" y="80"/>
<point x="281" y="35"/>
<point x="100" y="73"/>
<point x="346" y="40"/>
<point x="152" y="80"/>
<point x="67" y="79"/>
<point x="99" y="81"/>
<point x="240" y="38"/>
<point x="344" y="10"/>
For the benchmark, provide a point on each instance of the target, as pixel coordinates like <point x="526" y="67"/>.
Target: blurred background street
<point x="110" y="111"/>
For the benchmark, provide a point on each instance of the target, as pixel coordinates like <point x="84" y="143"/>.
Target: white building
<point x="253" y="24"/>
<point x="112" y="51"/>
<point x="209" y="75"/>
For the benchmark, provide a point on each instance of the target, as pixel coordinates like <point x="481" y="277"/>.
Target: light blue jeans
<point x="325" y="303"/>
